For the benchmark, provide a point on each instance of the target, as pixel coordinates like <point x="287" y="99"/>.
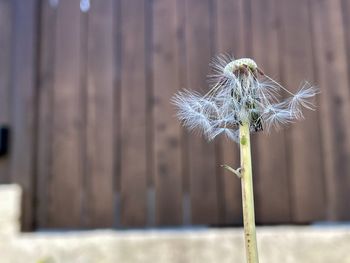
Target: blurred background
<point x="89" y="133"/>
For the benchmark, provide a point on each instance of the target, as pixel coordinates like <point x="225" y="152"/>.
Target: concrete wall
<point x="285" y="244"/>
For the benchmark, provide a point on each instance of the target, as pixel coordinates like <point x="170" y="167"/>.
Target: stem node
<point x="234" y="171"/>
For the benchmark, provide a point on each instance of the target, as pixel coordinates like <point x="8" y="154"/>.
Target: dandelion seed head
<point x="239" y="63"/>
<point x="240" y="93"/>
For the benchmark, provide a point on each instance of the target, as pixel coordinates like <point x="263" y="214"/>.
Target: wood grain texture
<point x="270" y="170"/>
<point x="167" y="131"/>
<point x="100" y="115"/>
<point x="303" y="137"/>
<point x="181" y="34"/>
<point x="94" y="133"/>
<point x="68" y="123"/>
<point x="23" y="103"/>
<point x="330" y="54"/>
<point x="133" y="114"/>
<point x="5" y="77"/>
<point x="45" y="112"/>
<point x="230" y="39"/>
<point x="202" y="161"/>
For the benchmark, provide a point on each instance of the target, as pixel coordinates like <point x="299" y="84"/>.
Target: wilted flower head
<point x="240" y="93"/>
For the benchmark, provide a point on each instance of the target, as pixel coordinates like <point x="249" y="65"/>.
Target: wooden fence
<point x="94" y="140"/>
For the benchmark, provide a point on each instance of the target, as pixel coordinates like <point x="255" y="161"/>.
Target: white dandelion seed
<point x="302" y="98"/>
<point x="276" y="116"/>
<point x="240" y="92"/>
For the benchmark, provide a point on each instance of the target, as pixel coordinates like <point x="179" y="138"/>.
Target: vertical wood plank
<point x="304" y="143"/>
<point x="68" y="123"/>
<point x="270" y="170"/>
<point x="181" y="34"/>
<point x="117" y="114"/>
<point x="230" y="40"/>
<point x="100" y="115"/>
<point x="24" y="103"/>
<point x="330" y="54"/>
<point x="45" y="112"/>
<point x="167" y="132"/>
<point x="133" y="117"/>
<point x="150" y="162"/>
<point x="5" y="75"/>
<point x="202" y="160"/>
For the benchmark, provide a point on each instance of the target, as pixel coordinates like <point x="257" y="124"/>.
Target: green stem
<point x="247" y="195"/>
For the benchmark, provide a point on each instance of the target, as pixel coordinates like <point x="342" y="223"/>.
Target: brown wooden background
<point x="94" y="139"/>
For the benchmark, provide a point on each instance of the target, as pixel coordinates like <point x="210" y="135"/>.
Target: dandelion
<point x="242" y="99"/>
<point x="240" y="93"/>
